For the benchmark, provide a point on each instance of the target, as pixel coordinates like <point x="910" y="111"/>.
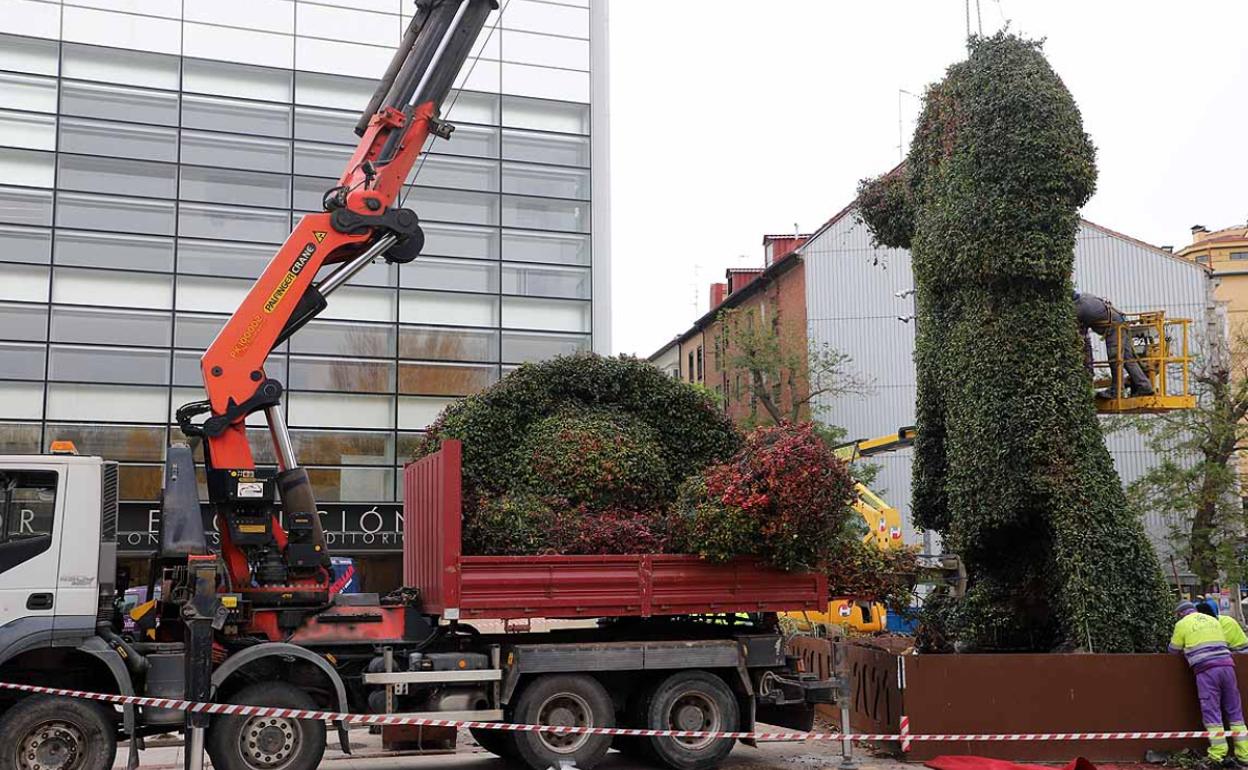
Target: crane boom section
<point x="362" y="220"/>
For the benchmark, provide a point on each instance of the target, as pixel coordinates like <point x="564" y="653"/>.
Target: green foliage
<point x="1010" y="465"/>
<point x="587" y="455"/>
<point x="862" y="571"/>
<point x="886" y="206"/>
<point x="512" y="524"/>
<point x="577" y="454"/>
<point x="495" y="425"/>
<point x="600" y="458"/>
<point x="1196" y="486"/>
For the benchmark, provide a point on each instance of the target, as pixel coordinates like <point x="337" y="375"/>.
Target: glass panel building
<point x="154" y="154"/>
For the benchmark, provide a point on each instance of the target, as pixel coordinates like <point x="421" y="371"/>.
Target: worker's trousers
<point x="1220" y="708"/>
<point x="1135" y="375"/>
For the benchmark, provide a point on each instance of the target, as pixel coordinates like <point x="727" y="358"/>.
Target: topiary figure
<point x="1010" y="466"/>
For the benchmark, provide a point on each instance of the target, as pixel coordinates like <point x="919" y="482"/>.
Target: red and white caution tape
<point x="905" y="737"/>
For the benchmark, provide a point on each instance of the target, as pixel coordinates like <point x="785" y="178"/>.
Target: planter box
<point x="1026" y="694"/>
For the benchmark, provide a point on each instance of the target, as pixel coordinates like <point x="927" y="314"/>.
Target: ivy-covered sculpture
<point x="1010" y="465"/>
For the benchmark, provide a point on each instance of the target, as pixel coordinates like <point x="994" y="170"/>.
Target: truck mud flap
<point x="794" y="716"/>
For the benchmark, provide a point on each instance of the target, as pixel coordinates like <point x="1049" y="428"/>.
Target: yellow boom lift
<point x="1162" y="348"/>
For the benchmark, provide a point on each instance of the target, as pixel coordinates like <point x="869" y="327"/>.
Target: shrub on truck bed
<point x="588" y="455"/>
<point x="783" y="498"/>
<point x="579" y="454"/>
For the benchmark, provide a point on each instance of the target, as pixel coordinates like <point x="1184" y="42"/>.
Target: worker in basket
<point x="1099" y="315"/>
<point x="1200" y="639"/>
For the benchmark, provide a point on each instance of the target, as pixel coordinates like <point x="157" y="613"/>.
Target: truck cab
<point x="58" y="561"/>
<point x="58" y="549"/>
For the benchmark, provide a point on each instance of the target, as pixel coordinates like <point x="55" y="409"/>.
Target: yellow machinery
<point x="883" y="520"/>
<point x="1161" y="347"/>
<point x="883" y="531"/>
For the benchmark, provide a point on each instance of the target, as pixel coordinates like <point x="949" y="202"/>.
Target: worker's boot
<point x="1239" y="740"/>
<point x="1140" y="386"/>
<point x="1218" y="752"/>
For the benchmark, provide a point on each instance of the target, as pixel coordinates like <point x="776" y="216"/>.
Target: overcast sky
<point x="730" y="119"/>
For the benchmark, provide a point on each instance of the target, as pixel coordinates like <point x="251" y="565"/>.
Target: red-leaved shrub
<point x="783" y="498"/>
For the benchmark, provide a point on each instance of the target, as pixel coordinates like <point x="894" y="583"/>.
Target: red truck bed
<point x="457" y="586"/>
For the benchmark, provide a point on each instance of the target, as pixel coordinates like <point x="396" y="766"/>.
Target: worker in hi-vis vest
<point x="1236" y="639"/>
<point x="1200" y="639"/>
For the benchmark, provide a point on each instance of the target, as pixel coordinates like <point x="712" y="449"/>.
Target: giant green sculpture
<point x="1010" y="465"/>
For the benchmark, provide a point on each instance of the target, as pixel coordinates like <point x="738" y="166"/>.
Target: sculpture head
<point x="997" y="171"/>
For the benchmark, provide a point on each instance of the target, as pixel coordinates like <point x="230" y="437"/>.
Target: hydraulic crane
<point x="284" y="563"/>
<point x="276" y="568"/>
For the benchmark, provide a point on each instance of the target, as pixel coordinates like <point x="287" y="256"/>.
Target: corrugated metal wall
<point x="851" y="303"/>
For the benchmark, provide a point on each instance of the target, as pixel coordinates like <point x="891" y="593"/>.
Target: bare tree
<point x="1197" y="485"/>
<point x="787" y="374"/>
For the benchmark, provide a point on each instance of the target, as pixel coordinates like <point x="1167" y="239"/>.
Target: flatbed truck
<point x="677" y="643"/>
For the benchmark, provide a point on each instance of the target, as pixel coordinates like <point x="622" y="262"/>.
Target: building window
<point x="1239" y="255"/>
<point x="29" y="504"/>
<point x="699" y="363"/>
<point x="142" y="192"/>
<point x="1203" y="259"/>
<point x="690" y="368"/>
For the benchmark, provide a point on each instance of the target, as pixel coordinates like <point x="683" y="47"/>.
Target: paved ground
<point x="368" y="755"/>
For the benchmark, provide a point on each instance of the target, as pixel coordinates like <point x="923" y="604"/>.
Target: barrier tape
<point x="905" y="737"/>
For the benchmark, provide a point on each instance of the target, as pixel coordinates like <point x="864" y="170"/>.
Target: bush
<point x="495" y="425"/>
<point x="579" y="454"/>
<point x="599" y="458"/>
<point x="862" y="571"/>
<point x="1010" y="466"/>
<point x="783" y="498"/>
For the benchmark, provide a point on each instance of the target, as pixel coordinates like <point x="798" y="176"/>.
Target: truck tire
<point x="691" y="700"/>
<point x="58" y="734"/>
<point x="500" y="743"/>
<point x="267" y="743"/>
<point x="573" y="700"/>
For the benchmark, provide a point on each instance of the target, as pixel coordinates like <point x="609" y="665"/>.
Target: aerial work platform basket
<point x="1161" y="346"/>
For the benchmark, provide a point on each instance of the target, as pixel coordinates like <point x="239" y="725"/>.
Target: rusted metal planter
<point x="1058" y="693"/>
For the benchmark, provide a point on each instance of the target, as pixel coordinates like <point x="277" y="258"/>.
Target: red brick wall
<point x="785" y="297"/>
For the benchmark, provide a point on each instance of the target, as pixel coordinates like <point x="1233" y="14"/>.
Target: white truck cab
<point x="58" y="551"/>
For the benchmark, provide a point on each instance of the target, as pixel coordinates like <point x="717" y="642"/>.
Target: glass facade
<point x="154" y="154"/>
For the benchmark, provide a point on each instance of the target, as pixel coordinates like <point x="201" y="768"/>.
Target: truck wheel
<point x="571" y="700"/>
<point x="691" y="700"/>
<point x="500" y="743"/>
<point x="267" y="743"/>
<point x="53" y="733"/>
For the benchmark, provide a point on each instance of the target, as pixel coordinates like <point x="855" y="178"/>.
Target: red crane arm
<point x="361" y="222"/>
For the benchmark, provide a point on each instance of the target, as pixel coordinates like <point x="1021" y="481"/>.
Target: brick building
<point x="774" y="294"/>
